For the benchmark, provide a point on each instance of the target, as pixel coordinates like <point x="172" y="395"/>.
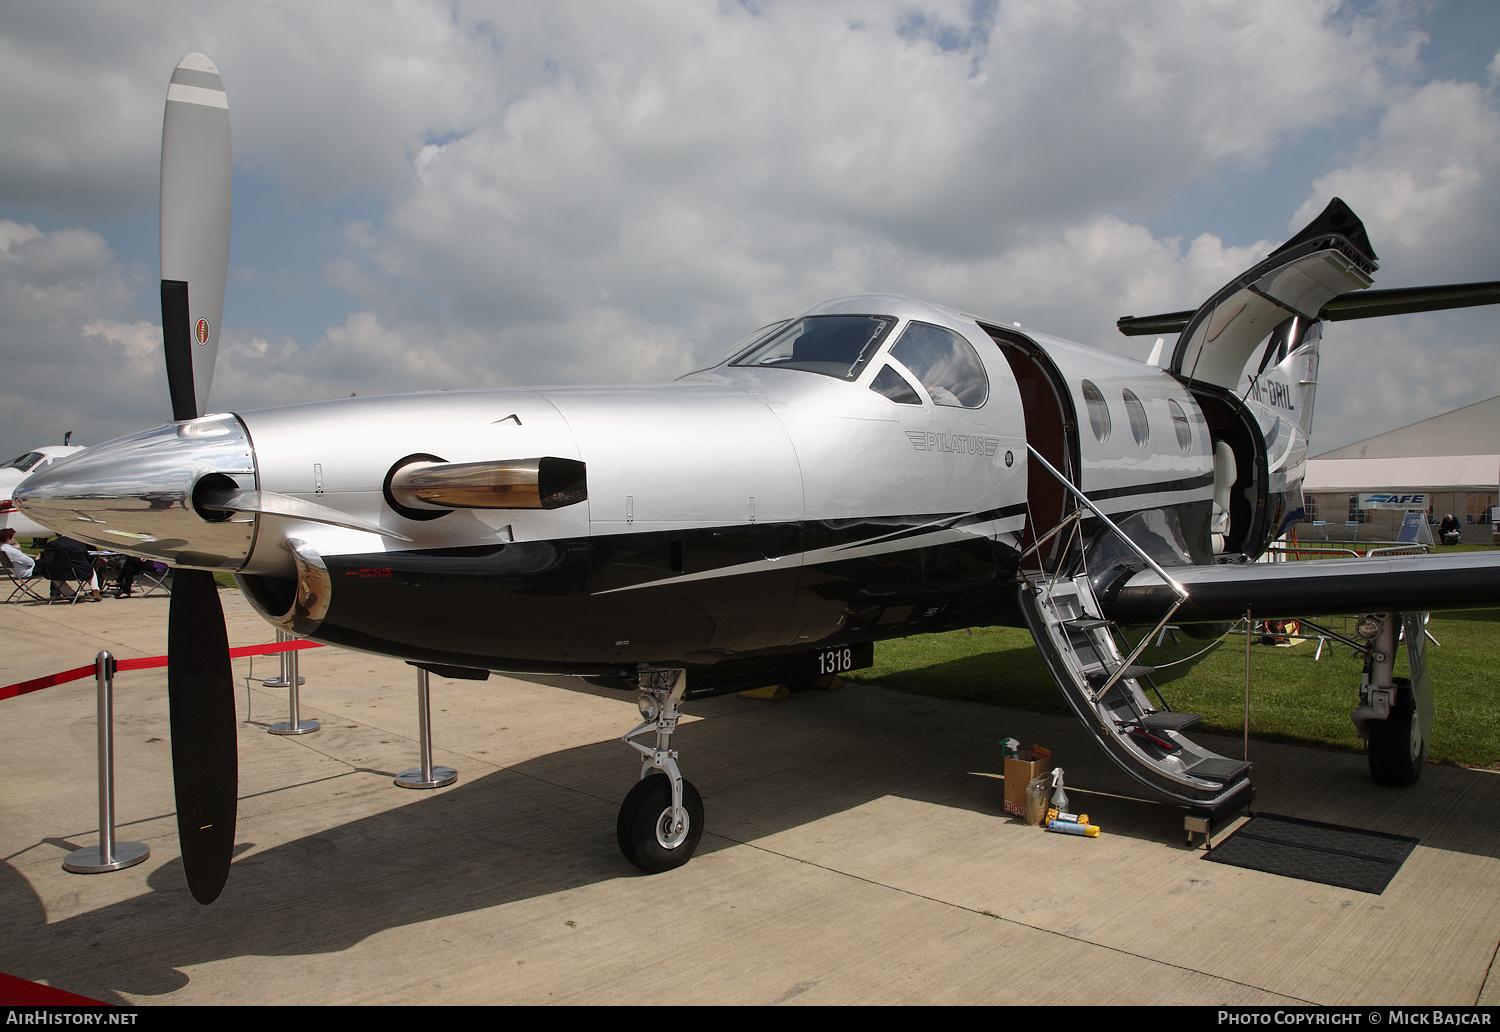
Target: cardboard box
<point x="1018" y="772"/>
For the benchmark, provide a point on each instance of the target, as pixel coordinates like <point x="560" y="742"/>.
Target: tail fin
<point x="1258" y="336"/>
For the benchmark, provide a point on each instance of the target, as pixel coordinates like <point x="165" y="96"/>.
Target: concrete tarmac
<point x="856" y="851"/>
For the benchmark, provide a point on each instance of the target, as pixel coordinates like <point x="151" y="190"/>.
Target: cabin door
<point x="1051" y="428"/>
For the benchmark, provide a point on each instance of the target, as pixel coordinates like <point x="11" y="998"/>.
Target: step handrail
<point x="1177" y="589"/>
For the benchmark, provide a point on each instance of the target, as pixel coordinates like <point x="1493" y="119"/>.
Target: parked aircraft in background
<point x="16" y="470"/>
<point x="873" y="467"/>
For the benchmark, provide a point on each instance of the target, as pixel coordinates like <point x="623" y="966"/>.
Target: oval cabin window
<point x="1181" y="425"/>
<point x="1098" y="411"/>
<point x="1140" y="429"/>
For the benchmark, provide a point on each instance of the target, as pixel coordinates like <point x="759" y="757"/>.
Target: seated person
<point x="20" y="563"/>
<point x="1449" y="530"/>
<point x="66" y="559"/>
<point x="128" y="570"/>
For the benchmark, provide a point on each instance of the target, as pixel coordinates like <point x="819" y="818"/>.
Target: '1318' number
<point x="835" y="661"/>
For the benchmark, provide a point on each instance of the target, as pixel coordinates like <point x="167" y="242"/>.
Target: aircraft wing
<point x="1326" y="587"/>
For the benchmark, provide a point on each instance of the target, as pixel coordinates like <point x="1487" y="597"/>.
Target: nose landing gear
<point x="661" y="820"/>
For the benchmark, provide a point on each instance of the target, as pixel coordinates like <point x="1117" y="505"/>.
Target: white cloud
<point x="66" y="367"/>
<point x="1424" y="184"/>
<point x="682" y="158"/>
<point x="553" y="192"/>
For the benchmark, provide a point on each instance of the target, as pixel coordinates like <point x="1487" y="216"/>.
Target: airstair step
<point x="1098" y="677"/>
<point x="1066" y="624"/>
<point x="1219" y="768"/>
<point x="1168" y="721"/>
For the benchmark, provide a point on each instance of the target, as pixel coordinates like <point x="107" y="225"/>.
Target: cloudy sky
<point x="433" y="194"/>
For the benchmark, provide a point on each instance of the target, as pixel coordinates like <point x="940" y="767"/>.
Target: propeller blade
<point x="205" y="759"/>
<point x="195" y="199"/>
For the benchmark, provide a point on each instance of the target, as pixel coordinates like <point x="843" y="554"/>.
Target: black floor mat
<point x="1350" y="858"/>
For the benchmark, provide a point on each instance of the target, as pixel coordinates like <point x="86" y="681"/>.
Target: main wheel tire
<point x="649" y="836"/>
<point x="1396" y="746"/>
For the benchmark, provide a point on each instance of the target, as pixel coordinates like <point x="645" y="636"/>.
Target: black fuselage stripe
<point x="938" y="523"/>
<point x="1161" y="487"/>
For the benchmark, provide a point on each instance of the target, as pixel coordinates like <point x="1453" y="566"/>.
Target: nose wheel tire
<point x="1396" y="746"/>
<point x="654" y="835"/>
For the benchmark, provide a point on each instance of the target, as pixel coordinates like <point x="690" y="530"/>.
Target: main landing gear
<point x="1395" y="713"/>
<point x="661" y="819"/>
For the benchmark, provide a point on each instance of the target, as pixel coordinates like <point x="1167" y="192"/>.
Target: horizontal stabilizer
<point x="1367" y="304"/>
<point x="1370" y="304"/>
<point x="1324" y="587"/>
<point x="1141" y="325"/>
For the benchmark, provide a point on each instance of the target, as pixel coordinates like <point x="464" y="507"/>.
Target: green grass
<point x="1293" y="697"/>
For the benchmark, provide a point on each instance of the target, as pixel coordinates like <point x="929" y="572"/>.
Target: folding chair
<point x="59" y="573"/>
<point x="20" y="585"/>
<point x="153" y="581"/>
<point x="106" y="567"/>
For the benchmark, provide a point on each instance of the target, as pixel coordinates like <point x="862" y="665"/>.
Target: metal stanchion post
<point x="108" y="855"/>
<point x="292" y="725"/>
<point x="425" y="776"/>
<point x="288" y="667"/>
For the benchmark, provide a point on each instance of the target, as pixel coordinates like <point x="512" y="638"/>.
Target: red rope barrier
<point x="36" y="684"/>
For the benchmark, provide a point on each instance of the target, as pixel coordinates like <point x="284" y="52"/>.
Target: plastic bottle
<point x="1059" y="797"/>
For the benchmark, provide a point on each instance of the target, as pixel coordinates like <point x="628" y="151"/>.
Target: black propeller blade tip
<point x="205" y="760"/>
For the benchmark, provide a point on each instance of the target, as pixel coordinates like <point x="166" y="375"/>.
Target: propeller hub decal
<point x="201" y="331"/>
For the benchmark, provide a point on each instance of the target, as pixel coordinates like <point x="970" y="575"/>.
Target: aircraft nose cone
<point x="136" y="494"/>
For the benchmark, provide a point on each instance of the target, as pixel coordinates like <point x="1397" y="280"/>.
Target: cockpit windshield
<point x="23" y="462"/>
<point x="834" y="345"/>
<point x="740" y="345"/>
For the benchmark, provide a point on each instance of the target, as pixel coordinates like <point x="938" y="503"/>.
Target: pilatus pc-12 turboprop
<point x="871" y="468"/>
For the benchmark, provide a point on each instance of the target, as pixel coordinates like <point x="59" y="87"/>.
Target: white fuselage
<point x="744" y="509"/>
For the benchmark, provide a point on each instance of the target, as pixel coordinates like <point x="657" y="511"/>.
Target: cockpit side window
<point x="945" y="363"/>
<point x="894" y="386"/>
<point x="23" y="462"/>
<point x="834" y="345"/>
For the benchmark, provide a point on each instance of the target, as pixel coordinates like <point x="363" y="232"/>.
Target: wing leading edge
<point x="1328" y="587"/>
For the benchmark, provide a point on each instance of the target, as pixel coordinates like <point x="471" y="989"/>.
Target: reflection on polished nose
<point x="136" y="494"/>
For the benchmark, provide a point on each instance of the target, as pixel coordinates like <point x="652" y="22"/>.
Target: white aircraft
<point x="871" y="468"/>
<point x="15" y="471"/>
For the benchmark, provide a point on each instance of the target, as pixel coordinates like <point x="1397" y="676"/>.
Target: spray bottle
<point x="1059" y="796"/>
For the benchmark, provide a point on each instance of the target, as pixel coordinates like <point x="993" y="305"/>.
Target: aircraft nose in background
<point x="137" y="494"/>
